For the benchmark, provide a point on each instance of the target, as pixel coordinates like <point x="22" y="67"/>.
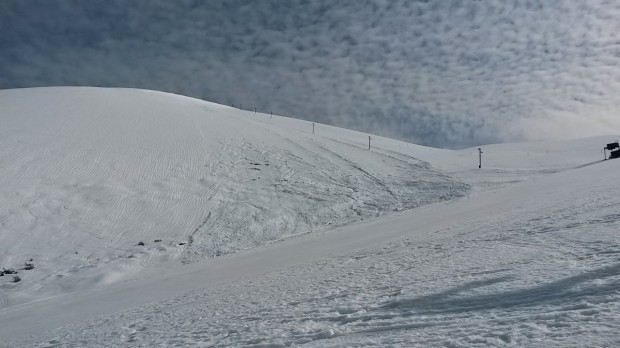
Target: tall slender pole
<point x="369" y="142"/>
<point x="479" y="158"/>
<point x="312" y="127"/>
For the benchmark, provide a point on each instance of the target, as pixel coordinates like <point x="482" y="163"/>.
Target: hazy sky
<point x="436" y="72"/>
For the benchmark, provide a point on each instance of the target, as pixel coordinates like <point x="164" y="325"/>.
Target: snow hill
<point x="90" y="174"/>
<point x="155" y="219"/>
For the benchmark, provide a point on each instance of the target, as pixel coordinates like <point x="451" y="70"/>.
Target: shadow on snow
<point x="559" y="292"/>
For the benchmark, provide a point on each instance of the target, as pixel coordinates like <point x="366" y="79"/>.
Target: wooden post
<point x="312" y="127"/>
<point x="479" y="158"/>
<point x="369" y="142"/>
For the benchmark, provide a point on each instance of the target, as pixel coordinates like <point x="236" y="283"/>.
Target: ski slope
<point x="400" y="245"/>
<point x="90" y="174"/>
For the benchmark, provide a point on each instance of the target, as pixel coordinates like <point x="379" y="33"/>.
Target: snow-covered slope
<point x="88" y="174"/>
<point x="523" y="252"/>
<point x="534" y="264"/>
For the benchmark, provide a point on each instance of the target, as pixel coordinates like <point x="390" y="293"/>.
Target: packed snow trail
<point x="534" y="264"/>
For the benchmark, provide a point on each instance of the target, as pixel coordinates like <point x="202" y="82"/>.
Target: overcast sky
<point x="437" y="72"/>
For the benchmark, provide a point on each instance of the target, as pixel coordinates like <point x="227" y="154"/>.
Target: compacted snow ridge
<point x="157" y="220"/>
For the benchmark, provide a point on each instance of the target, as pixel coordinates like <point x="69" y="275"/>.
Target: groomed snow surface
<point x="158" y="220"/>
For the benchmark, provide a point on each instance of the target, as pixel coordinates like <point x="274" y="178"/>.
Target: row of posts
<point x="313" y="126"/>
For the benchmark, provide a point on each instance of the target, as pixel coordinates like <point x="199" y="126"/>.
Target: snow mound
<point x="99" y="184"/>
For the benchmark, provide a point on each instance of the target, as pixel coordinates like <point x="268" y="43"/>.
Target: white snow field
<point x="259" y="233"/>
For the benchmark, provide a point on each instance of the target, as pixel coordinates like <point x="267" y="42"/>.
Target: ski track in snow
<point x="537" y="264"/>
